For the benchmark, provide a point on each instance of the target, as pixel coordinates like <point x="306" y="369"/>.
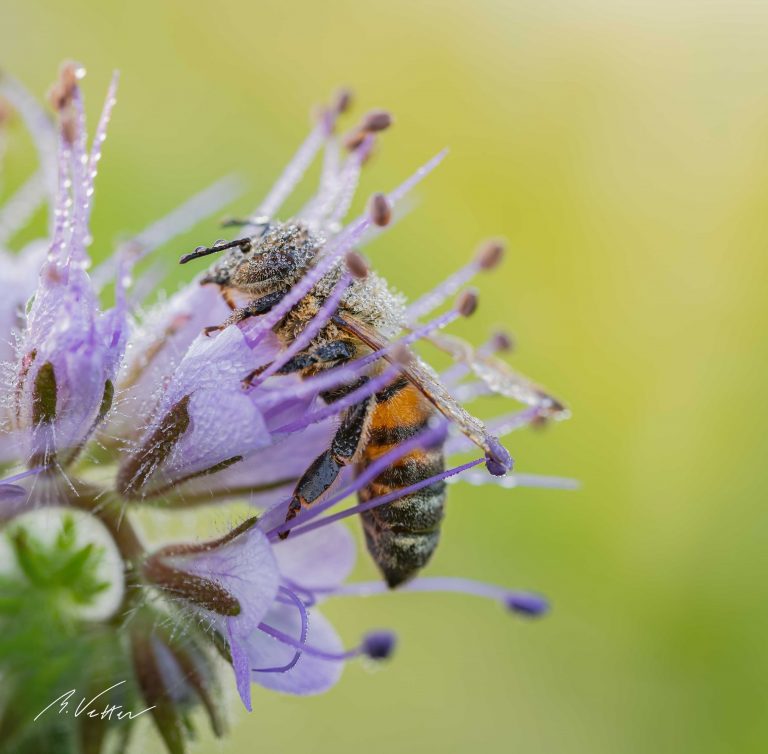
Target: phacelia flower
<point x="202" y="399"/>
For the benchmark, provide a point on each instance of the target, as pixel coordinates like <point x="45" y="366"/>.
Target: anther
<point x="356" y="264"/>
<point x="530" y="605"/>
<point x="60" y="94"/>
<point x="376" y="120"/>
<point x="342" y="100"/>
<point x="489" y="255"/>
<point x="466" y="304"/>
<point x="379" y="645"/>
<point x="379" y="210"/>
<point x="502" y="342"/>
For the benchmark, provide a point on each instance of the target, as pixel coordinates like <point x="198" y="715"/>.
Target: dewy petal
<point x="68" y="340"/>
<point x="321" y="560"/>
<point x="246" y="568"/>
<point x="222" y="422"/>
<point x="155" y="349"/>
<point x="310" y="675"/>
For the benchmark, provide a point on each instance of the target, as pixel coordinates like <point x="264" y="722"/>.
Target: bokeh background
<point x="621" y="148"/>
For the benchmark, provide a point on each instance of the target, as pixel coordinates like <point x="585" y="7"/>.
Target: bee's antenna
<point x="204" y="251"/>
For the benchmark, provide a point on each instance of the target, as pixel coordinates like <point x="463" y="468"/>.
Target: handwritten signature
<point x="87" y="709"/>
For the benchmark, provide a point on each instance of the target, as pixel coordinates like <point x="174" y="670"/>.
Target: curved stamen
<point x="373" y="645"/>
<point x="524" y="603"/>
<point x="378" y="501"/>
<point x="294" y="600"/>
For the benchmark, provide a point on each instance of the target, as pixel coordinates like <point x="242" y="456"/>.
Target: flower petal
<point x="321" y="559"/>
<point x="310" y="675"/>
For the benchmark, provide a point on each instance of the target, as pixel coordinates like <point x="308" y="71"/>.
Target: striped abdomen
<point x="402" y="535"/>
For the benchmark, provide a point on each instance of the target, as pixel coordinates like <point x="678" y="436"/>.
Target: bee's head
<point x="274" y="259"/>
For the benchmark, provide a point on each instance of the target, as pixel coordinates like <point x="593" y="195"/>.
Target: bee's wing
<point x="500" y="377"/>
<point x="426" y="380"/>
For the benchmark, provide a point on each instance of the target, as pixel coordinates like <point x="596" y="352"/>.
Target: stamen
<point x="98" y="140"/>
<point x="16" y="211"/>
<point x="500" y="427"/>
<point x="370" y="387"/>
<point x="487" y="257"/>
<point x="335" y="249"/>
<point x="40" y="128"/>
<point x="381" y="500"/>
<point x="379" y="210"/>
<point x="379" y="645"/>
<point x="294" y="171"/>
<point x="512" y="481"/>
<point x="207" y="202"/>
<point x="343" y="100"/>
<point x="523" y="603"/>
<point x="498" y="342"/>
<point x="337" y="205"/>
<point x="430" y="437"/>
<point x="293" y="599"/>
<point x="376" y="120"/>
<point x="356" y="264"/>
<point x="305" y="337"/>
<point x="370" y="643"/>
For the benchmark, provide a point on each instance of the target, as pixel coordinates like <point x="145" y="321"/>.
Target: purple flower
<point x="261" y="595"/>
<point x="189" y="400"/>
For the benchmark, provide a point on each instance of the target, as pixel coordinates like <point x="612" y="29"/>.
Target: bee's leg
<point x="336" y="352"/>
<point x="259" y="306"/>
<point x="345" y="448"/>
<point x="228" y="300"/>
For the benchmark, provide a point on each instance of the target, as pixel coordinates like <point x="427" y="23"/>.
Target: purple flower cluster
<point x="179" y="405"/>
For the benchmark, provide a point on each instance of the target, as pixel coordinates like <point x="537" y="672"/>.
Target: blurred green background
<point x="621" y="147"/>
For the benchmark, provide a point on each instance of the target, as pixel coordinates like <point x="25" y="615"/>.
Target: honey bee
<point x="402" y="535"/>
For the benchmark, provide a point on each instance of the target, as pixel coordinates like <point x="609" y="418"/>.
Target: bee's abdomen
<point x="402" y="535"/>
